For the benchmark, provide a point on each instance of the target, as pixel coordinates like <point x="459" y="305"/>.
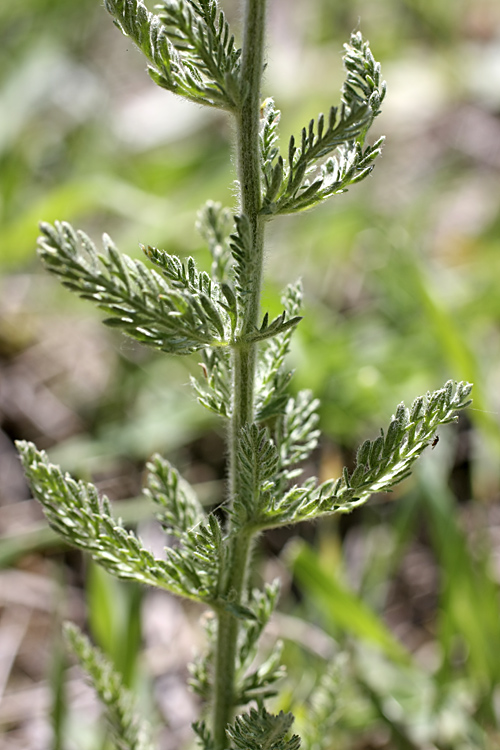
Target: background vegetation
<point x="401" y="293"/>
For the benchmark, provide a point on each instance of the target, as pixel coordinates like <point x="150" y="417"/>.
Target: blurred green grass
<point x="400" y="275"/>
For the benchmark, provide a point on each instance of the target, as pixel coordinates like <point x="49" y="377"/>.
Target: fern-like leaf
<point x="257" y="683"/>
<point x="263" y="604"/>
<point x="250" y="685"/>
<point x="214" y="390"/>
<point x="272" y="163"/>
<point x="245" y="268"/>
<point x="297" y="434"/>
<point x="128" y="730"/>
<point x="260" y="730"/>
<point x="349" y="165"/>
<point x="260" y="684"/>
<point x="305" y="178"/>
<point x="199" y="561"/>
<point x="84" y="520"/>
<point x="200" y="33"/>
<point x="258" y="459"/>
<point x="203" y="734"/>
<point x="380" y="464"/>
<point x="188" y="45"/>
<point x="364" y="84"/>
<point x="276" y="327"/>
<point x="245" y="272"/>
<point x="178" y="507"/>
<point x="215" y="225"/>
<point x="178" y="311"/>
<point x="272" y="376"/>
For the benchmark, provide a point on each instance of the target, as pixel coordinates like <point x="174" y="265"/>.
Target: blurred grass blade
<point x="449" y="332"/>
<point x="469" y="615"/>
<point x="114" y="613"/>
<point x="73" y="199"/>
<point x="341" y="607"/>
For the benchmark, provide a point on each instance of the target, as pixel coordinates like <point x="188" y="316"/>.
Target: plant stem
<point x="244" y="358"/>
<point x="227" y="636"/>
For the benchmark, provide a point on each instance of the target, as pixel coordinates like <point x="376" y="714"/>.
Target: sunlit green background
<point x="401" y="280"/>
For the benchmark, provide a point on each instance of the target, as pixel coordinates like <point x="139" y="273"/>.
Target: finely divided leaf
<point x="296" y="434"/>
<point x="381" y="463"/>
<point x="84" y="520"/>
<point x="209" y="61"/>
<point x="330" y="154"/>
<point x="258" y="683"/>
<point x="276" y="327"/>
<point x="215" y="225"/>
<point x="178" y="311"/>
<point x="129" y="731"/>
<point x="260" y="730"/>
<point x="258" y="461"/>
<point x="188" y="45"/>
<point x="200" y="560"/>
<point x="178" y="507"/>
<point x="263" y="604"/>
<point x="271" y="161"/>
<point x="245" y="268"/>
<point x="214" y="390"/>
<point x="272" y="376"/>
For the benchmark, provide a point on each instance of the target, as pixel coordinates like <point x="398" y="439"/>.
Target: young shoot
<point x="168" y="304"/>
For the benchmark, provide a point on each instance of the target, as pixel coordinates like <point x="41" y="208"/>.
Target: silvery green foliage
<point x="296" y="434"/>
<point x="172" y="306"/>
<point x="214" y="391"/>
<point x="129" y="732"/>
<point x="178" y="311"/>
<point x="380" y="464"/>
<point x="188" y="45"/>
<point x="273" y="376"/>
<point x="330" y="154"/>
<point x="257" y="730"/>
<point x="260" y="730"/>
<point x="76" y="512"/>
<point x="178" y="508"/>
<point x="244" y="272"/>
<point x="215" y="225"/>
<point x="259" y="462"/>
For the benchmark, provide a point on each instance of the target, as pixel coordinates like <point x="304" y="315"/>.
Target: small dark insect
<point x="435" y="441"/>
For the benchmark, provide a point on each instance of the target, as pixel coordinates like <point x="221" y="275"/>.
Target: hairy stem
<point x="244" y="357"/>
<point x="227" y="635"/>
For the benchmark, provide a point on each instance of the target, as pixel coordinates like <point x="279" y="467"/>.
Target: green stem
<point x="244" y="360"/>
<point x="227" y="637"/>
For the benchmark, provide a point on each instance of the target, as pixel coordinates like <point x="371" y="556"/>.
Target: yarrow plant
<point x="170" y="305"/>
